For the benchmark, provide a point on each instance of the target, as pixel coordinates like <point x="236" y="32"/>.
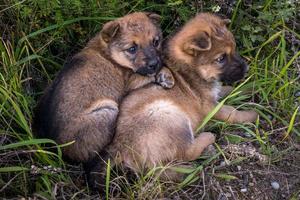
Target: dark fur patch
<point x="44" y="124"/>
<point x="146" y="71"/>
<point x="95" y="170"/>
<point x="233" y="70"/>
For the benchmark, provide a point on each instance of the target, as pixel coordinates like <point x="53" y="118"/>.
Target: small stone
<point x="244" y="190"/>
<point x="275" y="185"/>
<point x="297" y="93"/>
<point x="239" y="168"/>
<point x="251" y="175"/>
<point x="222" y="164"/>
<point x="270" y="117"/>
<point x="228" y="195"/>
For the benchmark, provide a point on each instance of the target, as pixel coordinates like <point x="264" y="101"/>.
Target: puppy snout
<point x="150" y="68"/>
<point x="245" y="66"/>
<point x="242" y="63"/>
<point x="154" y="64"/>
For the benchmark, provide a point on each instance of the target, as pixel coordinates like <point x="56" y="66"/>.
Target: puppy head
<point x="206" y="46"/>
<point x="134" y="41"/>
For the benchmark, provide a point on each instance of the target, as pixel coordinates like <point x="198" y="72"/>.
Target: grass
<point x="38" y="36"/>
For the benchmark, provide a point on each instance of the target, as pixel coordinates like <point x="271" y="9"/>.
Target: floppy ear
<point x="155" y="18"/>
<point x="110" y="30"/>
<point x="202" y="42"/>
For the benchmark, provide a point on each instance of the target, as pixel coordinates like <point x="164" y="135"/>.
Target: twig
<point x="8" y="183"/>
<point x="204" y="190"/>
<point x="285" y="127"/>
<point x="232" y="193"/>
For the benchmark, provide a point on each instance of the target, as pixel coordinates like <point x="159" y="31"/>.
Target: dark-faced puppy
<point x="156" y="126"/>
<point x="134" y="42"/>
<point x="82" y="103"/>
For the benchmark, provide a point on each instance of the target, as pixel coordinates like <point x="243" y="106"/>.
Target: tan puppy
<point x="156" y="126"/>
<point x="81" y="104"/>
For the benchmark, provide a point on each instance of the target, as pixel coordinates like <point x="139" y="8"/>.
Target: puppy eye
<point x="156" y="41"/>
<point x="221" y="58"/>
<point x="132" y="50"/>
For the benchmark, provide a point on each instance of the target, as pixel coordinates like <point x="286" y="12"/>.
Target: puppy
<point x="82" y="103"/>
<point x="156" y="126"/>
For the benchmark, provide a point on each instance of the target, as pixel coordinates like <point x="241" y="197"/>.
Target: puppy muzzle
<point x="151" y="68"/>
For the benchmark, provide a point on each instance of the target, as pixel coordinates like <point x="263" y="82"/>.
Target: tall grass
<point x="38" y="36"/>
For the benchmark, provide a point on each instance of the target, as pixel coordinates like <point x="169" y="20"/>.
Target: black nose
<point x="244" y="66"/>
<point x="153" y="64"/>
<point x="240" y="61"/>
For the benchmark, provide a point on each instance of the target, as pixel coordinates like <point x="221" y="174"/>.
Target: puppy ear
<point x="110" y="30"/>
<point x="155" y="18"/>
<point x="197" y="44"/>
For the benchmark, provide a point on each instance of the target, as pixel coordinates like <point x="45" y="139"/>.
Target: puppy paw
<point x="210" y="150"/>
<point x="208" y="137"/>
<point x="252" y="116"/>
<point x="165" y="78"/>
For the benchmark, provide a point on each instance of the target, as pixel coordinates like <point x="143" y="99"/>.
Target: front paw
<point x="225" y="91"/>
<point x="208" y="137"/>
<point x="165" y="79"/>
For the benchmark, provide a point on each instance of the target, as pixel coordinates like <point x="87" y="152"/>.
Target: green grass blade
<point x="226" y="177"/>
<point x="27" y="143"/>
<point x="21" y="120"/>
<point x="291" y="124"/>
<point x="107" y="180"/>
<point x="13" y="169"/>
<point x="193" y="176"/>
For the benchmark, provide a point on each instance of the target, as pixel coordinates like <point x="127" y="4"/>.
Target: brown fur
<point x="156" y="126"/>
<point x="81" y="104"/>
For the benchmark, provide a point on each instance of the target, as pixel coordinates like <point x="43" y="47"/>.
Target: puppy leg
<point x="165" y="78"/>
<point x="137" y="81"/>
<point x="91" y="131"/>
<point x="95" y="170"/>
<point x="199" y="144"/>
<point x="225" y="90"/>
<point x="232" y="115"/>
